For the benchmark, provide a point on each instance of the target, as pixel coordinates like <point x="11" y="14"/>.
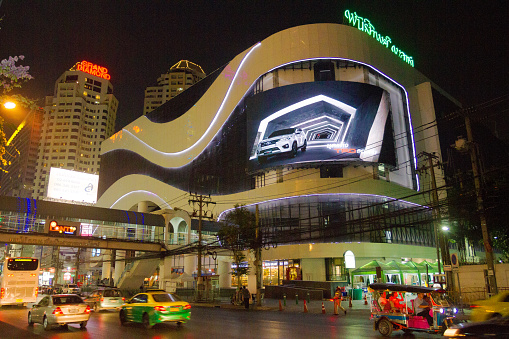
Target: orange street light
<point x="9" y="105"/>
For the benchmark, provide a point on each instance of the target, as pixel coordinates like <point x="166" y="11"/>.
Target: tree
<point x="11" y="77"/>
<point x="238" y="234"/>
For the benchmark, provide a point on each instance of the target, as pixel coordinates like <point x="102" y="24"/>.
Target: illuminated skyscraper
<point x="179" y="77"/>
<point x="21" y="153"/>
<point x="77" y="118"/>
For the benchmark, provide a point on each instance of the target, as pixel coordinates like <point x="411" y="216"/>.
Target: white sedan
<point x="59" y="309"/>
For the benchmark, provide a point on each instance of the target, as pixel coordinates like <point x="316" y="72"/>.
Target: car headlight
<point x="452" y="332"/>
<point x="442" y="310"/>
<point x="286" y="138"/>
<point x="455" y="310"/>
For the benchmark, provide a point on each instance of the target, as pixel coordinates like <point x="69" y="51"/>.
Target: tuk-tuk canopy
<point x="402" y="288"/>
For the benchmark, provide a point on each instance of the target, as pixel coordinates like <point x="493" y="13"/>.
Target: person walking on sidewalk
<point x="247" y="295"/>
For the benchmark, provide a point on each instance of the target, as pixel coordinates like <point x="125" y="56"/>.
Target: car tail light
<point x="87" y="310"/>
<point x="123" y="299"/>
<point x="58" y="311"/>
<point x="102" y="299"/>
<point x="36" y="291"/>
<point x="187" y="307"/>
<point x="2" y="293"/>
<point x="474" y="306"/>
<point x="160" y="308"/>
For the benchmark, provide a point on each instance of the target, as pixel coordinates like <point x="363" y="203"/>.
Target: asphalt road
<point x="207" y="322"/>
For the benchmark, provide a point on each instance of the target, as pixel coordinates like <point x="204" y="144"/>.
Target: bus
<point x="19" y="282"/>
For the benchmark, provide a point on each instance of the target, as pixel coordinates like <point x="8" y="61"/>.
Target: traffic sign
<point x="454" y="260"/>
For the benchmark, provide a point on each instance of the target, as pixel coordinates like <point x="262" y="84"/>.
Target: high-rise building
<point x="179" y="77"/>
<point x="77" y="118"/>
<point x="18" y="180"/>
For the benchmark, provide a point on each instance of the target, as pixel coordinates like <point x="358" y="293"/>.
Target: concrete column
<point x="119" y="267"/>
<point x="143" y="206"/>
<point x="224" y="271"/>
<point x="106" y="266"/>
<point x="165" y="273"/>
<point x="190" y="264"/>
<point x="251" y="277"/>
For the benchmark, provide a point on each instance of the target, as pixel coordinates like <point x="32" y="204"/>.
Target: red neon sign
<point x="93" y="69"/>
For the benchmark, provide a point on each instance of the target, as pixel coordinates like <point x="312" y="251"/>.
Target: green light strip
<point x="365" y="25"/>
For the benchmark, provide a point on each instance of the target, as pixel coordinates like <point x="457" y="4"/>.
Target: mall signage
<point x="365" y="25"/>
<point x="93" y="69"/>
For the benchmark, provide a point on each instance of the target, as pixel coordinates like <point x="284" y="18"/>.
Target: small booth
<point x="429" y="269"/>
<point x="409" y="274"/>
<point x="365" y="275"/>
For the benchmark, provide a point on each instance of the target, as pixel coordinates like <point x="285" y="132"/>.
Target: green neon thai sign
<point x="365" y="25"/>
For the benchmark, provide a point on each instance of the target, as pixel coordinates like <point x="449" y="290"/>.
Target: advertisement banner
<point x="319" y="122"/>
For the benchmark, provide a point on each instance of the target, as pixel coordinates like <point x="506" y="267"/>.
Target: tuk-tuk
<point x="388" y="319"/>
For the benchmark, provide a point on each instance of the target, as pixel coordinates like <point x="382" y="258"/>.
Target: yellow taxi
<point x="150" y="308"/>
<point x="496" y="306"/>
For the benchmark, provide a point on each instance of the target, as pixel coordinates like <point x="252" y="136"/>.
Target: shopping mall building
<point x="320" y="126"/>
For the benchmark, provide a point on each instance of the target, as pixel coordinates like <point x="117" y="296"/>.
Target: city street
<point x="210" y="322"/>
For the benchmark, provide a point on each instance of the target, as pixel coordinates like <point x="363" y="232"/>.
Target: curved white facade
<point x="177" y="155"/>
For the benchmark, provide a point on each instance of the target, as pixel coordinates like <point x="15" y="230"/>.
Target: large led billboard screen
<point x="72" y="186"/>
<point x="319" y="122"/>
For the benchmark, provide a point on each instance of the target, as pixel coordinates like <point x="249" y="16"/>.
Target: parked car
<point x="496" y="306"/>
<point x="151" y="308"/>
<point x="59" y="309"/>
<point x="105" y="298"/>
<point x="71" y="289"/>
<point x="285" y="141"/>
<point x="493" y="328"/>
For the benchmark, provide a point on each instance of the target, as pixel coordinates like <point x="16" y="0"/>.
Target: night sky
<point x="460" y="45"/>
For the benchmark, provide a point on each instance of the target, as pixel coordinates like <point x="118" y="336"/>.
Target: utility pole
<point x="202" y="202"/>
<point x="56" y="260"/>
<point x="77" y="274"/>
<point x="492" y="281"/>
<point x="439" y="237"/>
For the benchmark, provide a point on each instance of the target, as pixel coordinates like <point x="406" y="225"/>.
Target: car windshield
<point x="282" y="132"/>
<point x="165" y="297"/>
<point x="73" y="286"/>
<point x="112" y="293"/>
<point x="441" y="299"/>
<point x="71" y="299"/>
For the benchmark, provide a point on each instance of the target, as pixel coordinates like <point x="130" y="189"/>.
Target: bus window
<point x="22" y="264"/>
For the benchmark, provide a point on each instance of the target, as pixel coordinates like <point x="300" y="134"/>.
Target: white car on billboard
<point x="284" y="141"/>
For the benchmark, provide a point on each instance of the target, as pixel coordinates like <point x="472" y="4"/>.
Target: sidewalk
<point x="314" y="306"/>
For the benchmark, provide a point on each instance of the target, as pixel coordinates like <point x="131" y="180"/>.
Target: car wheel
<point x="146" y="321"/>
<point x="30" y="321"/>
<point x="304" y="146"/>
<point x="294" y="150"/>
<point x="385" y="327"/>
<point x="64" y="327"/>
<point x="122" y="317"/>
<point x="496" y="316"/>
<point x="83" y="325"/>
<point x="179" y="323"/>
<point x="96" y="308"/>
<point x="45" y="323"/>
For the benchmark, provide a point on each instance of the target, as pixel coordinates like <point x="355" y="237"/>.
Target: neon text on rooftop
<point x="90" y="68"/>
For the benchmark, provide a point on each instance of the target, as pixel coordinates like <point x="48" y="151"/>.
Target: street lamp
<point x="445" y="228"/>
<point x="9" y="105"/>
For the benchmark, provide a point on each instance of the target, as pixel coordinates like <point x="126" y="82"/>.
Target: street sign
<point x="454" y="260"/>
<point x="447" y="268"/>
